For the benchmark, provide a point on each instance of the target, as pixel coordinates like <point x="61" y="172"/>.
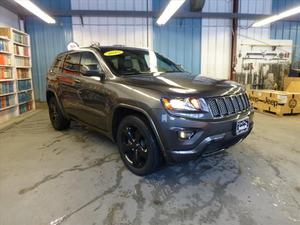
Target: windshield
<point x="137" y="61"/>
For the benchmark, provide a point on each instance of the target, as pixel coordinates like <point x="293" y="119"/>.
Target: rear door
<point x="69" y="84"/>
<point x="93" y="93"/>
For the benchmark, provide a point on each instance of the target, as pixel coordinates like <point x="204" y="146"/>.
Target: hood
<point x="177" y="84"/>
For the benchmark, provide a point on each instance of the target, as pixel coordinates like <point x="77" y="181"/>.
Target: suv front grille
<point x="228" y="105"/>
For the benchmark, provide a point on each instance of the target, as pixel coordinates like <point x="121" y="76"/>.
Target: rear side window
<point x="89" y="62"/>
<point x="72" y="62"/>
<point x="57" y="65"/>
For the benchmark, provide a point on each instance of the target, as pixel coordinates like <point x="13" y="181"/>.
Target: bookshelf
<point x="16" y="90"/>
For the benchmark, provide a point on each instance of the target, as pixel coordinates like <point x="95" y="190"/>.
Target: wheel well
<point x="120" y="113"/>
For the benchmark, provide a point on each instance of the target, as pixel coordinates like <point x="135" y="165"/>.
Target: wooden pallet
<point x="276" y="102"/>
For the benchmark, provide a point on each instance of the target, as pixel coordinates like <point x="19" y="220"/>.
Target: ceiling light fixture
<point x="31" y="7"/>
<point x="277" y="17"/>
<point x="169" y="11"/>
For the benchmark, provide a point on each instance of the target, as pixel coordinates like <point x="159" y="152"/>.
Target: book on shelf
<point x="20" y="50"/>
<point x="25" y="97"/>
<point x="5" y="59"/>
<point x="4" y="46"/>
<point x="5" y="73"/>
<point x="25" y="107"/>
<point x="22" y="62"/>
<point x="20" y="38"/>
<point x="24" y="85"/>
<point x="6" y="87"/>
<point x="22" y="73"/>
<point x="6" y="101"/>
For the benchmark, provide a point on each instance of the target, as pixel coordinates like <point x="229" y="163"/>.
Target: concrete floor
<point x="76" y="177"/>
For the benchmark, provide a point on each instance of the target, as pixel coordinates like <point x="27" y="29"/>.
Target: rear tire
<point x="58" y="121"/>
<point x="137" y="146"/>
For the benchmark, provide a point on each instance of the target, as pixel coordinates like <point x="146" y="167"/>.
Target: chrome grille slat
<point x="228" y="105"/>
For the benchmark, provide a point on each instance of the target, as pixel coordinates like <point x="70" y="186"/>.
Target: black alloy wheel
<point x="135" y="148"/>
<point x="137" y="145"/>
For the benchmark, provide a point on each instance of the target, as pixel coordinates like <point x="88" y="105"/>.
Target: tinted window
<point x="57" y="65"/>
<point x="136" y="61"/>
<point x="89" y="62"/>
<point x="72" y="62"/>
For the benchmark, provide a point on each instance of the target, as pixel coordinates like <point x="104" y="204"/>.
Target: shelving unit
<point x="16" y="90"/>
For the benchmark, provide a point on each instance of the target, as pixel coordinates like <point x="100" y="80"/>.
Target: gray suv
<point x="148" y="105"/>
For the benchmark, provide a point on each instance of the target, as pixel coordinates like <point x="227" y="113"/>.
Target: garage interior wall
<point x="8" y="18"/>
<point x="287" y="29"/>
<point x="129" y="31"/>
<point x="179" y="39"/>
<point x="216" y="41"/>
<point x="199" y="45"/>
<point x="46" y="42"/>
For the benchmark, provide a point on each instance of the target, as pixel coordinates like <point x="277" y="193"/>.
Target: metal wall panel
<point x="179" y="39"/>
<point x="245" y="31"/>
<point x="216" y="41"/>
<point x="215" y="48"/>
<point x="113" y="30"/>
<point x="287" y="30"/>
<point x="47" y="40"/>
<point x="218" y="6"/>
<point x="136" y="5"/>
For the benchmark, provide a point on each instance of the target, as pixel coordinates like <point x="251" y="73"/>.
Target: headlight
<point x="196" y="105"/>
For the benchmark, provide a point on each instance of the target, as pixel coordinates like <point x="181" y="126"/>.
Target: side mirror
<point x="95" y="74"/>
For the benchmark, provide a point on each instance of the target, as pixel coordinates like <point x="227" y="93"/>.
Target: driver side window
<point x="89" y="62"/>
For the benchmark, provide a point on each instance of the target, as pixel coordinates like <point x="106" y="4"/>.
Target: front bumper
<point x="210" y="136"/>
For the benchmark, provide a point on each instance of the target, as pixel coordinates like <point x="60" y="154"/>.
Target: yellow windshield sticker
<point x="113" y="53"/>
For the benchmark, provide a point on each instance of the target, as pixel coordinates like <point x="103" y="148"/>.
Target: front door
<point x="92" y="92"/>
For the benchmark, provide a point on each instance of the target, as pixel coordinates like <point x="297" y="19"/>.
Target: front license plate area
<point x="242" y="126"/>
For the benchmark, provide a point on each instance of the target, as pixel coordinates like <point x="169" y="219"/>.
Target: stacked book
<point x="20" y="38"/>
<point x="5" y="59"/>
<point x="22" y="73"/>
<point x="5" y="73"/>
<point x="3" y="46"/>
<point x="6" y="87"/>
<point x="20" y="50"/>
<point x="25" y="97"/>
<point x="7" y="101"/>
<point x="20" y="62"/>
<point x="24" y="85"/>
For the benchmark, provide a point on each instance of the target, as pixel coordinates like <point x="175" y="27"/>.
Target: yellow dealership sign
<point x="113" y="53"/>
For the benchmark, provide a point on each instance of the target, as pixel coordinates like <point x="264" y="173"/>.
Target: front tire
<point x="58" y="121"/>
<point x="137" y="146"/>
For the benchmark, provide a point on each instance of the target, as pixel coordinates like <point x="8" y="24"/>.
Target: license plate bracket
<point x="242" y="126"/>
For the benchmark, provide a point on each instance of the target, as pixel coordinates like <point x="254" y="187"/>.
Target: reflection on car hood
<point x="184" y="84"/>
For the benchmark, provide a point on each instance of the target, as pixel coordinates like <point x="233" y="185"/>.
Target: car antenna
<point x="96" y="45"/>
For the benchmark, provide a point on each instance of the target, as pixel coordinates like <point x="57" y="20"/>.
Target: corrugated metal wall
<point x="254" y="7"/>
<point x="47" y="41"/>
<point x="135" y="32"/>
<point x="179" y="40"/>
<point x="136" y="5"/>
<point x="287" y="30"/>
<point x="216" y="41"/>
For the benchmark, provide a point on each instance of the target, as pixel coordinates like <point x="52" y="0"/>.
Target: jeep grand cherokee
<point x="150" y="106"/>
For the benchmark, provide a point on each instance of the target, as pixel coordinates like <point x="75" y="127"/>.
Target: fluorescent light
<point x="171" y="8"/>
<point x="27" y="4"/>
<point x="277" y="17"/>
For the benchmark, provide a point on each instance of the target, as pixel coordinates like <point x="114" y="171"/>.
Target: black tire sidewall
<point x="60" y="123"/>
<point x="153" y="150"/>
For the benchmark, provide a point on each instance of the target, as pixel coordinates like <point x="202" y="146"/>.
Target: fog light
<point x="185" y="134"/>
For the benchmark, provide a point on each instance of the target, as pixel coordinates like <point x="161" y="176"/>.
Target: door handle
<point x="77" y="81"/>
